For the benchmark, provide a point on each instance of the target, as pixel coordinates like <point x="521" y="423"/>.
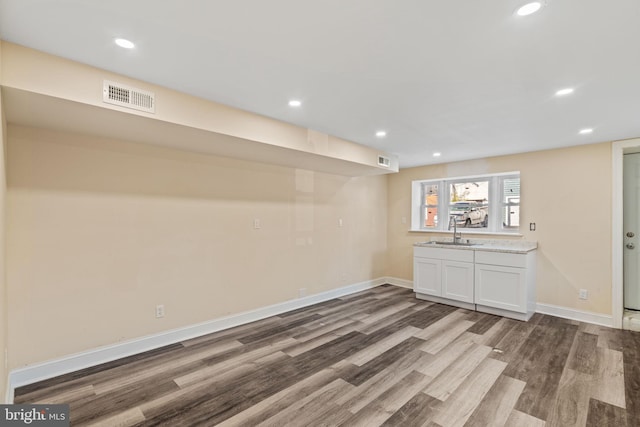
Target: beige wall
<point x="566" y="192"/>
<point x="3" y="287"/>
<point x="100" y="231"/>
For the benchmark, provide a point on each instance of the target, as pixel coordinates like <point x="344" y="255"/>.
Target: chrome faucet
<point x="457" y="237"/>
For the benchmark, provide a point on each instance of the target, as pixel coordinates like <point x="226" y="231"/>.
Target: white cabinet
<point x="427" y="276"/>
<point x="505" y="283"/>
<point x="457" y="280"/>
<point x="444" y="275"/>
<point x="502" y="283"/>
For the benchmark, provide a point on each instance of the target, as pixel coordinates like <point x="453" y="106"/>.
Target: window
<point x="469" y="203"/>
<point x="487" y="203"/>
<point x="510" y="191"/>
<point x="430" y="209"/>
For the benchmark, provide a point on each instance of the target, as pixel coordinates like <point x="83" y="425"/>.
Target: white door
<point x="631" y="201"/>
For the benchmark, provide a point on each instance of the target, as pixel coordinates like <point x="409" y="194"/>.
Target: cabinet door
<point x="501" y="287"/>
<point x="427" y="277"/>
<point x="457" y="280"/>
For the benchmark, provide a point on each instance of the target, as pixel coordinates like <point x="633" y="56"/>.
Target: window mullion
<point x="494" y="204"/>
<point x="443" y="205"/>
<point x="423" y="205"/>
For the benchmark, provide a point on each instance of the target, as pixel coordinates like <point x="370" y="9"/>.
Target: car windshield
<point x="461" y="207"/>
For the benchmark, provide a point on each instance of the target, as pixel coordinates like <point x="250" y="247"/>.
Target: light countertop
<point x="490" y="245"/>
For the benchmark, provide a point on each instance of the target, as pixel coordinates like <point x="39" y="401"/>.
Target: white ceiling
<point x="466" y="78"/>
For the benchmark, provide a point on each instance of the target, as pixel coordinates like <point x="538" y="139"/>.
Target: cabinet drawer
<point x="461" y="255"/>
<point x="501" y="258"/>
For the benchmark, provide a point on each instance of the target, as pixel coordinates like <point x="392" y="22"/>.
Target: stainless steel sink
<point x="447" y="243"/>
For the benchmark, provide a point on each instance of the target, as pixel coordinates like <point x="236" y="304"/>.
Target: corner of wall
<point x="3" y="287"/>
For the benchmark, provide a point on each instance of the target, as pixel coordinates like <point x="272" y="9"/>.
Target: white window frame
<point x="495" y="203"/>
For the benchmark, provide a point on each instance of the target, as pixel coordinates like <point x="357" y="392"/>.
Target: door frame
<point x="618" y="149"/>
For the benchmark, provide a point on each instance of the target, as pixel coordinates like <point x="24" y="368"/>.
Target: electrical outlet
<point x="584" y="294"/>
<point x="302" y="292"/>
<point x="159" y="311"/>
<point x="340" y="222"/>
<point x="532" y="226"/>
<point x="256" y="223"/>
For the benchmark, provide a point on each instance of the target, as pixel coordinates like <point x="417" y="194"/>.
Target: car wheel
<point x="485" y="221"/>
<point x="467" y="223"/>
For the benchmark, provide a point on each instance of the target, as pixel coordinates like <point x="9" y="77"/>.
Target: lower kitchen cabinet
<point x="444" y="275"/>
<point x="502" y="283"/>
<point x="427" y="273"/>
<point x="505" y="284"/>
<point x="457" y="280"/>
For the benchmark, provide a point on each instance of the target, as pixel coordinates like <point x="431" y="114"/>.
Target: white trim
<point x="402" y="283"/>
<point x="553" y="310"/>
<point x="617" y="289"/>
<point x="60" y="366"/>
<point x="463" y="178"/>
<point x="570" y="313"/>
<point x="416" y="203"/>
<point x="74" y="362"/>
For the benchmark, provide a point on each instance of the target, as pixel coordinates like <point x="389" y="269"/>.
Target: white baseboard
<point x="74" y="362"/>
<point x="569" y="313"/>
<point x="553" y="310"/>
<point x="60" y="366"/>
<point x="399" y="282"/>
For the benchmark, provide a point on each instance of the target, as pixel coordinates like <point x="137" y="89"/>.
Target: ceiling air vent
<point x="384" y="161"/>
<point x="126" y="96"/>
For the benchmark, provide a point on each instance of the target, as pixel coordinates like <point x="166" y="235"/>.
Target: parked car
<point x="470" y="213"/>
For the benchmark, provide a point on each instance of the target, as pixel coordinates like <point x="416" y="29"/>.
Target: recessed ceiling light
<point x="586" y="131"/>
<point x="565" y="91"/>
<point x="437" y="154"/>
<point x="127" y="44"/>
<point x="295" y="103"/>
<point x="381" y="134"/>
<point x="529" y="8"/>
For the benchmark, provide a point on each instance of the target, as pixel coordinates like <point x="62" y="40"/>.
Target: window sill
<point x="466" y="232"/>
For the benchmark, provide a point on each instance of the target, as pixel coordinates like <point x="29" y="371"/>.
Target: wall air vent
<point x="384" y="161"/>
<point x="126" y="96"/>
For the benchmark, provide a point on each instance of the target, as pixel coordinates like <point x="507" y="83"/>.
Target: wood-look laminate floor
<point x="379" y="357"/>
